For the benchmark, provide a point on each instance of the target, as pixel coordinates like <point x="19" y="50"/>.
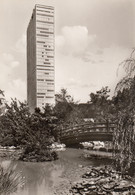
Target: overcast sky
<point x="91" y="37"/>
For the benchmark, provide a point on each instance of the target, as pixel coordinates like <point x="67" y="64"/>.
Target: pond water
<point x="54" y="178"/>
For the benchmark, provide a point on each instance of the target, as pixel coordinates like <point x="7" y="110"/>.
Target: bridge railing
<point x="86" y="128"/>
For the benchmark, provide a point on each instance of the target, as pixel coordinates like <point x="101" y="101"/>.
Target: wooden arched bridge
<point x="87" y="132"/>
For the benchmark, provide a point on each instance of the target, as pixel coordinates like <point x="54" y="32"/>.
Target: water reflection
<point x="40" y="177"/>
<point x="43" y="178"/>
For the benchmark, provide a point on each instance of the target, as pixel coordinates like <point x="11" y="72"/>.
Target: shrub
<point x="9" y="180"/>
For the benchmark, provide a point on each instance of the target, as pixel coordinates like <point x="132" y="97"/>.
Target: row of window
<point x="40" y="72"/>
<point x="42" y="53"/>
<point x="48" y="63"/>
<point x="45" y="43"/>
<point x="40" y="79"/>
<point x="47" y="15"/>
<point x="45" y="69"/>
<point x="50" y="56"/>
<point x="49" y="49"/>
<point x="44" y="86"/>
<point x="46" y="60"/>
<point x="46" y="32"/>
<point x="50" y="80"/>
<point x="45" y="77"/>
<point x="40" y="93"/>
<point x="44" y="56"/>
<point x="40" y="28"/>
<point x="41" y="83"/>
<point x="40" y="62"/>
<point x="49" y="40"/>
<point x="40" y="96"/>
<point x="45" y="25"/>
<point x="50" y="83"/>
<point x="46" y="22"/>
<point x="45" y="97"/>
<point x="41" y="57"/>
<point x="49" y="96"/>
<point x="45" y="9"/>
<point x="39" y="90"/>
<point x="45" y="19"/>
<point x="49" y="35"/>
<point x="44" y="50"/>
<point x="43" y="47"/>
<point x="43" y="35"/>
<point x="43" y="72"/>
<point x="44" y="90"/>
<point x="49" y="90"/>
<point x="45" y="66"/>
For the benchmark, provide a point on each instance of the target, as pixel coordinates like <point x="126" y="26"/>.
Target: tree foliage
<point x="33" y="132"/>
<point x="103" y="105"/>
<point x="124" y="137"/>
<point x="2" y="99"/>
<point x="66" y="109"/>
<point x="14" y="123"/>
<point x="129" y="66"/>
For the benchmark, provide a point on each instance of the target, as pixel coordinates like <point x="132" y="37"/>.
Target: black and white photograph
<point x="67" y="97"/>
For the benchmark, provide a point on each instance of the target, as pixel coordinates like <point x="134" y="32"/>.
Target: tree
<point x="100" y="97"/>
<point x="121" y="100"/>
<point x="48" y="111"/>
<point x="129" y="65"/>
<point x="14" y="123"/>
<point x="124" y="136"/>
<point x="63" y="96"/>
<point x="64" y="105"/>
<point x="66" y="110"/>
<point x="103" y="106"/>
<point x="2" y="100"/>
<point x="33" y="132"/>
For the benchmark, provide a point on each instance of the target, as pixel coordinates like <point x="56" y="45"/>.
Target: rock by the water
<point x="103" y="181"/>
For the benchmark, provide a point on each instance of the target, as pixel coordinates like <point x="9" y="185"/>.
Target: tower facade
<point x="40" y="58"/>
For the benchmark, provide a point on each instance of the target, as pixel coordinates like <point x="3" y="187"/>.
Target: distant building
<point x="40" y="58"/>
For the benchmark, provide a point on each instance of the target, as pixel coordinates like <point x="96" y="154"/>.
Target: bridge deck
<point x="87" y="132"/>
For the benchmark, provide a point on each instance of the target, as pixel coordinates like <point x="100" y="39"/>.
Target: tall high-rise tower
<point x="40" y="57"/>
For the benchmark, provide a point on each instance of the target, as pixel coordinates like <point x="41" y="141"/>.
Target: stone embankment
<point x="103" y="181"/>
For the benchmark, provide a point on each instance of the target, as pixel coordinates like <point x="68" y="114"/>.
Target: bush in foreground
<point x="9" y="180"/>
